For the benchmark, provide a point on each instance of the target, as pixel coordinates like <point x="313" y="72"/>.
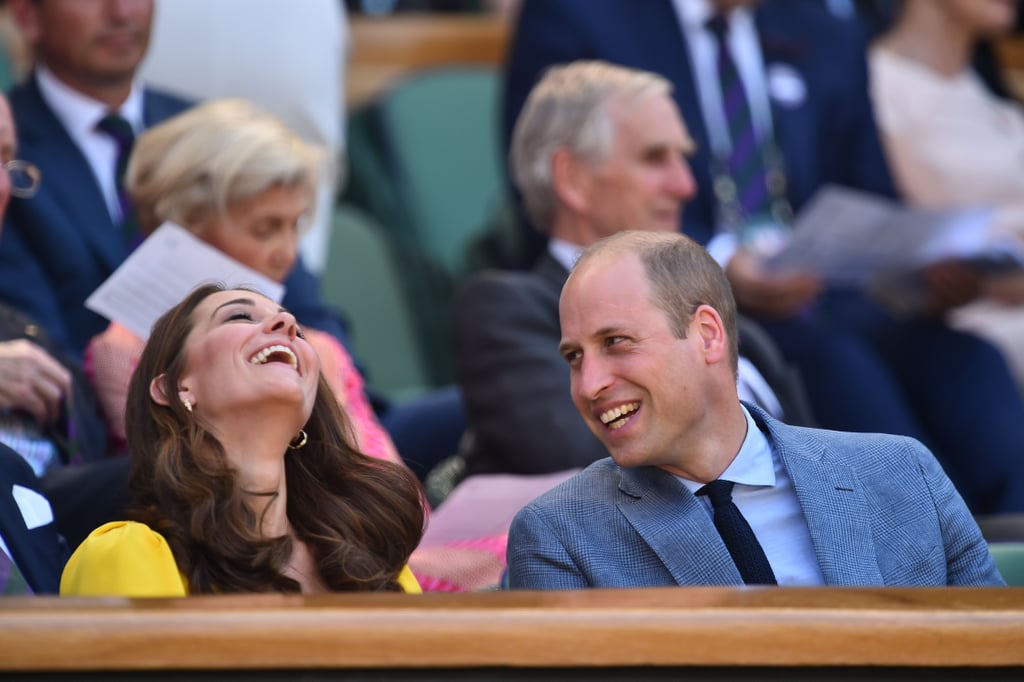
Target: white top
<point x="287" y="57"/>
<point x="765" y="496"/>
<point x="950" y="142"/>
<point x="79" y="115"/>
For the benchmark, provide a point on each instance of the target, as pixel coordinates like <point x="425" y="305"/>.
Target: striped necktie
<point x="745" y="163"/>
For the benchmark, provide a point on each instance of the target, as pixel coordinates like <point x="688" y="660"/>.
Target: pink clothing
<point x="112" y="356"/>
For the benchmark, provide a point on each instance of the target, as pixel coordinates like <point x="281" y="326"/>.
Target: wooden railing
<point x="696" y="628"/>
<point x="383" y="49"/>
<point x="1010" y="53"/>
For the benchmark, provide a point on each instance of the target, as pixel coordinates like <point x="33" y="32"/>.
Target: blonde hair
<point x="195" y="165"/>
<point x="569" y="108"/>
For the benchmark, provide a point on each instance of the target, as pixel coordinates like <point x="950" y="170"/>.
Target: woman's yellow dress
<point x="129" y="559"/>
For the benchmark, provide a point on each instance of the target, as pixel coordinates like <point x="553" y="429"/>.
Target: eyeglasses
<point x="24" y="178"/>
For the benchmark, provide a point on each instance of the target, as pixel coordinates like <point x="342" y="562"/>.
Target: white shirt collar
<point x="80" y="113"/>
<point x="694" y="13"/>
<point x="566" y="253"/>
<point x="754" y="464"/>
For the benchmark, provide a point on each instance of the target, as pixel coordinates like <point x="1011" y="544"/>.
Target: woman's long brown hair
<point x="360" y="517"/>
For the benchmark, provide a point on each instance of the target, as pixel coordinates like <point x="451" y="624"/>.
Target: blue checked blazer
<point x="879" y="508"/>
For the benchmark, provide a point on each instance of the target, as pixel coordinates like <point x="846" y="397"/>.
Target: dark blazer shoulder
<point x="159" y="105"/>
<point x="544" y="281"/>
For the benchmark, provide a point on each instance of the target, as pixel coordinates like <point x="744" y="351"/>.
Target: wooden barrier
<point x="1010" y="54"/>
<point x="707" y="629"/>
<point x="383" y="49"/>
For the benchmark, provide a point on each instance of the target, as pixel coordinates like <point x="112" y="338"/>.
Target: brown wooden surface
<point x="662" y="627"/>
<point x="1010" y="53"/>
<point x="384" y="49"/>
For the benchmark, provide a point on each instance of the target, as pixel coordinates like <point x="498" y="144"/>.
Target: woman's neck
<point x="267" y="495"/>
<point x="929" y="36"/>
<point x="302" y="568"/>
<point x="266" y="492"/>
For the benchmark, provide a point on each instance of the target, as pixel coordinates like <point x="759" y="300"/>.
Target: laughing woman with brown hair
<point x="244" y="468"/>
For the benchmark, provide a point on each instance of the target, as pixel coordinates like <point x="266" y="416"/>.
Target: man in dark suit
<point x="598" y="149"/>
<point x="701" y="489"/>
<point x="63" y="243"/>
<point x="803" y="75"/>
<point x="26" y="527"/>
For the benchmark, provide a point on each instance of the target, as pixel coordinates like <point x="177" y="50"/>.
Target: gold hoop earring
<point x="299" y="442"/>
<point x="188" y="405"/>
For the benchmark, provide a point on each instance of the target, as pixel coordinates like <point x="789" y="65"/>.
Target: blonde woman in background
<point x="241" y="181"/>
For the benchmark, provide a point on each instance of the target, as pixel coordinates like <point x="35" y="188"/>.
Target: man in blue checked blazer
<point x="805" y="77"/>
<point x="648" y="331"/>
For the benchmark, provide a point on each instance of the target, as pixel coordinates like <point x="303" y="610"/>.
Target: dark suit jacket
<point x="879" y="509"/>
<point x="515" y="384"/>
<point x="61" y="244"/>
<point x="829" y="137"/>
<point x="39" y="552"/>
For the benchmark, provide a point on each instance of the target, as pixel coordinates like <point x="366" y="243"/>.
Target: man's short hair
<point x="569" y="108"/>
<point x="682" y="275"/>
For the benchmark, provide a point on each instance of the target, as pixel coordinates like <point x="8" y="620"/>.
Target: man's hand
<point x="950" y="284"/>
<point x="769" y="294"/>
<point x="32" y="380"/>
<point x="1008" y="289"/>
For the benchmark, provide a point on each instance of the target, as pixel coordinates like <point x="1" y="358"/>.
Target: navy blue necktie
<point x="745" y="550"/>
<point x="123" y="135"/>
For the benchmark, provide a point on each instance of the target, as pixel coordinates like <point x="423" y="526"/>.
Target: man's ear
<point x="707" y="323"/>
<point x="157" y="390"/>
<point x="570" y="179"/>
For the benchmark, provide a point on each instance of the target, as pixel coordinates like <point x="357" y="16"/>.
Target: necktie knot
<point x="118" y="128"/>
<point x="719" y="492"/>
<point x="719" y="26"/>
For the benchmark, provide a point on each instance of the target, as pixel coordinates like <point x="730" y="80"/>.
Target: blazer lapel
<point x="834" y="506"/>
<point x="676" y="527"/>
<point x="69" y="178"/>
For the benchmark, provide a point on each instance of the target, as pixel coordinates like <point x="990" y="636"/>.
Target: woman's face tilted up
<point x="245" y="351"/>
